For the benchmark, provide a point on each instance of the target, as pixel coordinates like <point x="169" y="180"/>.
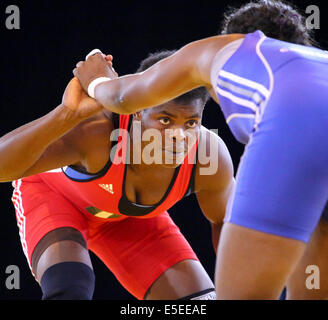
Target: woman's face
<point x="169" y="131"/>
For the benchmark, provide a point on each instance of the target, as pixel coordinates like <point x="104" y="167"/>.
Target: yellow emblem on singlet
<point x="102" y="214"/>
<point x="107" y="187"/>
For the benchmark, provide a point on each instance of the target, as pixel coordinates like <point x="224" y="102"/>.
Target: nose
<point x="177" y="134"/>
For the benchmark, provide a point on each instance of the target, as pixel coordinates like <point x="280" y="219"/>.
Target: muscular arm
<point x="215" y="189"/>
<point x="47" y="143"/>
<point x="185" y="70"/>
<point x="23" y="147"/>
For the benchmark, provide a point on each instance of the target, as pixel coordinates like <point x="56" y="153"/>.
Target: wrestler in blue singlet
<point x="274" y="96"/>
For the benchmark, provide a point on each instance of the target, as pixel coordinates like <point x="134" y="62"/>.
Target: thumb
<point x="72" y="93"/>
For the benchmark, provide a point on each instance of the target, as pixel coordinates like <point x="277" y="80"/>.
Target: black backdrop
<point x="36" y="64"/>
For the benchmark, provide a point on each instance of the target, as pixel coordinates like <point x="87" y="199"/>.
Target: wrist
<point x="66" y="116"/>
<point x="94" y="83"/>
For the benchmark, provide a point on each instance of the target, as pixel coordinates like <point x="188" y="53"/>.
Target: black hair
<point x="196" y="94"/>
<point x="277" y="19"/>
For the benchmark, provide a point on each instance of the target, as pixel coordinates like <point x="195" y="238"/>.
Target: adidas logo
<point x="107" y="187"/>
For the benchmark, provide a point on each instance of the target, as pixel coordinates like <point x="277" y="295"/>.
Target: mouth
<point x="176" y="153"/>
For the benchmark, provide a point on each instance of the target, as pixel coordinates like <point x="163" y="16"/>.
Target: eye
<point x="164" y="121"/>
<point x="192" y="123"/>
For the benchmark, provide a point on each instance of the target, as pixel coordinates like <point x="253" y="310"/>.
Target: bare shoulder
<point x="214" y="166"/>
<point x="91" y="132"/>
<point x="87" y="145"/>
<point x="205" y="51"/>
<point x="216" y="41"/>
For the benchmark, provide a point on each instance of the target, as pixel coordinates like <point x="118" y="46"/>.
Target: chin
<point x="173" y="162"/>
<point x="171" y="165"/>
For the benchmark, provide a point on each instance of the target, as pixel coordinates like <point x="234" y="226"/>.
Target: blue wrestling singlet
<point x="274" y="96"/>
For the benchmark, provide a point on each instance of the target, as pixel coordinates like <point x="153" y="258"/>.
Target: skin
<point x="315" y="254"/>
<point x="268" y="261"/>
<point x="185" y="70"/>
<point x="55" y="140"/>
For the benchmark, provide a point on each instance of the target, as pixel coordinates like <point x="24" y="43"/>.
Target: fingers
<point x="108" y="58"/>
<point x="92" y="53"/>
<point x="96" y="65"/>
<point x="79" y="64"/>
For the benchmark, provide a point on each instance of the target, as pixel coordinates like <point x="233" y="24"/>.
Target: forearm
<point x="133" y="93"/>
<point x="160" y="83"/>
<point x="110" y="94"/>
<point x="22" y="147"/>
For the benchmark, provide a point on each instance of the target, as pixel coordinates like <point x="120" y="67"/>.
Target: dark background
<point x="36" y="65"/>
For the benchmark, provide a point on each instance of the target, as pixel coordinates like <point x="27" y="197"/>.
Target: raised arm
<point x="185" y="70"/>
<point x="40" y="145"/>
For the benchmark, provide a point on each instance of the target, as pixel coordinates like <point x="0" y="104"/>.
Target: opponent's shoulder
<point x="201" y="53"/>
<point x="214" y="168"/>
<point x="218" y="40"/>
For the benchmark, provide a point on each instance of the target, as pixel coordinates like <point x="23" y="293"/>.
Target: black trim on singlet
<point x="104" y="170"/>
<point x="191" y="186"/>
<point x="198" y="294"/>
<point x="116" y="120"/>
<point x="94" y="176"/>
<point x="125" y="205"/>
<point x="133" y="209"/>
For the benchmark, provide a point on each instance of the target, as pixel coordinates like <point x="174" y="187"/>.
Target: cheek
<point x="193" y="134"/>
<point x="152" y="132"/>
<point x="196" y="130"/>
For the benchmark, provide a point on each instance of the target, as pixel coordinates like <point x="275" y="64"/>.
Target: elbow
<point x="114" y="99"/>
<point x="122" y="106"/>
<point x="116" y="103"/>
<point x="4" y="179"/>
<point x="7" y="176"/>
<point x="126" y="110"/>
